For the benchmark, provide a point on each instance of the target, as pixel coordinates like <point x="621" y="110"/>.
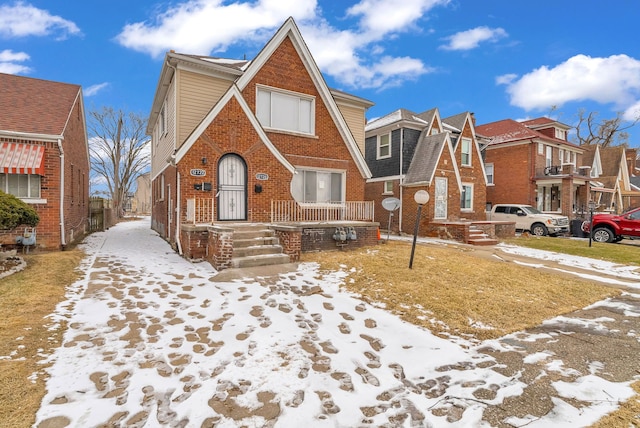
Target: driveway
<point x="155" y="340"/>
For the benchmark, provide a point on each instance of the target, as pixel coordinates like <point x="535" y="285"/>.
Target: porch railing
<point x="291" y="211"/>
<point x="200" y="211"/>
<point x="564" y="169"/>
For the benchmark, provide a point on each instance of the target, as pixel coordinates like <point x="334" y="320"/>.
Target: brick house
<point x="44" y="156"/>
<point x="532" y="162"/>
<point x="252" y="141"/>
<point x="407" y="152"/>
<point x="611" y="188"/>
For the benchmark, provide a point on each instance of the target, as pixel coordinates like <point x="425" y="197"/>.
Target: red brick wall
<point x="160" y="204"/>
<point x="327" y="149"/>
<point x="76" y="188"/>
<point x="76" y="177"/>
<point x="473" y="174"/>
<point x="513" y="167"/>
<point x="374" y="192"/>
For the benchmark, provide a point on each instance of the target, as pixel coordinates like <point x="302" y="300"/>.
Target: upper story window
<point x="163" y="120"/>
<point x="286" y="111"/>
<point x="24" y="186"/>
<point x="561" y="134"/>
<point x="488" y="168"/>
<point x="466" y="151"/>
<point x="549" y="154"/>
<point x="540" y="148"/>
<point x="384" y="146"/>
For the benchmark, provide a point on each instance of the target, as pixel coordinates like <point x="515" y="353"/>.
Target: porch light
<point x="421" y="197"/>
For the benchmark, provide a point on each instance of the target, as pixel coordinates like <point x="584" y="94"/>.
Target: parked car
<point x="614" y="228"/>
<point x="528" y="218"/>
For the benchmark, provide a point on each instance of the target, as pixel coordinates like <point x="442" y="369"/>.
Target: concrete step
<point x="252" y="233"/>
<point x="478" y="237"/>
<point x="255" y="241"/>
<point x="259" y="260"/>
<point x="256" y="250"/>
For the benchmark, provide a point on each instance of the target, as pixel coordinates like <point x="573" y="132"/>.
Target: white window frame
<point x="4" y="186"/>
<point x="163" y="120"/>
<point x="301" y="198"/>
<point x="561" y="134"/>
<point x="388" y="187"/>
<point x="380" y="145"/>
<point x="466" y="153"/>
<point x="306" y="107"/>
<point x="468" y="186"/>
<point x="540" y="149"/>
<point x="549" y="156"/>
<point x="490" y="177"/>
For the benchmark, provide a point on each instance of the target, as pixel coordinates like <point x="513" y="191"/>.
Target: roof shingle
<point x="35" y="106"/>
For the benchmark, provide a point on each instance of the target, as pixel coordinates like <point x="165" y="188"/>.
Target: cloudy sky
<point x="497" y="58"/>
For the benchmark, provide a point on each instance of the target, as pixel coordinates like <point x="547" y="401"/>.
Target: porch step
<point x="256" y="245"/>
<point x="259" y="260"/>
<point x="478" y="237"/>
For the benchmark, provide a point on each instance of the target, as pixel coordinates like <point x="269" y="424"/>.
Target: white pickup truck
<point x="528" y="218"/>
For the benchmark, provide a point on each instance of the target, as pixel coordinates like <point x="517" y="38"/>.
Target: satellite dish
<point x="391" y="204"/>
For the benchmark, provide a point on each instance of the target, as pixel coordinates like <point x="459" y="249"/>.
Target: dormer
<point x="549" y="127"/>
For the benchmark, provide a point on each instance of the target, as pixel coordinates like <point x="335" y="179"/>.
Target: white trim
<point x="378" y="145"/>
<point x="470" y="209"/>
<point x="232" y="92"/>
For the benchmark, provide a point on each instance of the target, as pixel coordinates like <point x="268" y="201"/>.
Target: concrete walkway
<point x="155" y="340"/>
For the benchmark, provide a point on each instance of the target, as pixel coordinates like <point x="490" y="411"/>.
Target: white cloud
<point x="380" y="17"/>
<point x="471" y="39"/>
<point x="612" y="80"/>
<point x="94" y="89"/>
<point x="354" y="57"/>
<point x="206" y="26"/>
<point x="9" y="62"/>
<point x="22" y="19"/>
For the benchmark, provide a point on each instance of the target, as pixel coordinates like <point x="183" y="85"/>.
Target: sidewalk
<point x="155" y="340"/>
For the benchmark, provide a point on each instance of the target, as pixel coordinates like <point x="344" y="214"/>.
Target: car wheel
<point x="602" y="234"/>
<point x="539" y="229"/>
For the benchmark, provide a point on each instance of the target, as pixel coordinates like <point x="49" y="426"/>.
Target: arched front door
<point x="232" y="188"/>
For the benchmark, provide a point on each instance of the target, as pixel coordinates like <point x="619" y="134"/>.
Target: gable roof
<point x="290" y="29"/>
<point x="457" y="121"/>
<point x="35" y="106"/>
<point x="511" y="131"/>
<point x="426" y="158"/>
<point x="232" y="93"/>
<point x="400" y="115"/>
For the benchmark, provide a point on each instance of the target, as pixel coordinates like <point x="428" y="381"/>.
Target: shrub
<point x="14" y="212"/>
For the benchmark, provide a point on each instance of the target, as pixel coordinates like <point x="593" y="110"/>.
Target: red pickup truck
<point x="613" y="228"/>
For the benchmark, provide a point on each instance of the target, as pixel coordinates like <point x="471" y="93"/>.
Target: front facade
<point x="611" y="171"/>
<point x="532" y="162"/>
<point x="407" y="152"/>
<point x="252" y="141"/>
<point x="44" y="157"/>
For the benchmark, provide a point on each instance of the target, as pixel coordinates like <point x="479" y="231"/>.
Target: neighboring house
<point x="252" y="141"/>
<point x="532" y="162"/>
<point x="44" y="156"/>
<point x="141" y="201"/>
<point x="408" y="151"/>
<point x="633" y="160"/>
<point x="611" y="188"/>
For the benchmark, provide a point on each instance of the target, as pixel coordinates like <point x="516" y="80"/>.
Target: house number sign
<point x="198" y="172"/>
<point x="262" y="176"/>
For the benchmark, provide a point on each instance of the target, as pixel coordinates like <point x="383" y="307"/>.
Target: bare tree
<point x="606" y="132"/>
<point x="119" y="151"/>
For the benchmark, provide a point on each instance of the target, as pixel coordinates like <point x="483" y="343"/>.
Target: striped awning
<point x="17" y="158"/>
